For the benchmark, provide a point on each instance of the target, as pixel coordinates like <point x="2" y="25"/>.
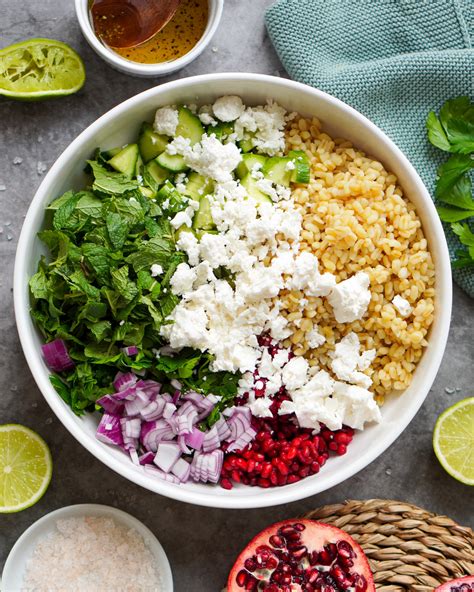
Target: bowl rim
<point x="160" y="69"/>
<point x="261" y="498"/>
<point x="75" y="510"/>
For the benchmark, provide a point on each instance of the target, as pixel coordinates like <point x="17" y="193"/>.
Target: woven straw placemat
<point x="409" y="549"/>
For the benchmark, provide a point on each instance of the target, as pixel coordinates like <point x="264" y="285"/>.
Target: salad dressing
<point x="175" y="40"/>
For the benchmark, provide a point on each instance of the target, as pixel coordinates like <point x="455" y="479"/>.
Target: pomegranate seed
<point x="276" y="541"/>
<point x="293" y="479"/>
<point x="345" y="550"/>
<point x="251" y="584"/>
<point x="241" y="578"/>
<point x="360" y="583"/>
<point x="266" y="470"/>
<point x="250" y="564"/>
<point x="299" y="552"/>
<point x="332" y="446"/>
<point x="341" y="449"/>
<point x="226" y="484"/>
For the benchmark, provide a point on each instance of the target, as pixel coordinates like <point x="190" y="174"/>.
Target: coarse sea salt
<point x="91" y="554"/>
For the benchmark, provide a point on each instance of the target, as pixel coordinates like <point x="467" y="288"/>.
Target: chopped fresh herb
<point x="97" y="293"/>
<point x="453" y="131"/>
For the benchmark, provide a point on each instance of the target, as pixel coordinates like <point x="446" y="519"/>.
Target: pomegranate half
<point x="301" y="555"/>
<point x="465" y="584"/>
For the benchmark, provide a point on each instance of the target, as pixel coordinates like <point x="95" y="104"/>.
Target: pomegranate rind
<point x="320" y="534"/>
<point x="447" y="586"/>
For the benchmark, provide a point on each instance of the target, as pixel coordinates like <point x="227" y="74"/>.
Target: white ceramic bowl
<point x="147" y="70"/>
<point x="22" y="550"/>
<point x="119" y="126"/>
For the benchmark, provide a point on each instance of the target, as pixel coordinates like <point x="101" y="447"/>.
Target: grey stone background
<point x="201" y="542"/>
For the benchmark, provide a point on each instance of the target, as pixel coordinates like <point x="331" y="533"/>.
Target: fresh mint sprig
<point x="453" y="131"/>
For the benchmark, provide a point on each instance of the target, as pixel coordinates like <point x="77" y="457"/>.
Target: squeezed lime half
<point x="25" y="468"/>
<point x="453" y="440"/>
<point x="38" y="69"/>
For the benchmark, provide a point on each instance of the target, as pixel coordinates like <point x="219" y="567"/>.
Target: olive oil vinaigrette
<point x="175" y="40"/>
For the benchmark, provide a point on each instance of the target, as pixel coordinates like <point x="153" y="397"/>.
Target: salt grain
<point x="92" y="555"/>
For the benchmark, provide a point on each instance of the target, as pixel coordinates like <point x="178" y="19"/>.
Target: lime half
<point x="453" y="440"/>
<point x="25" y="468"/>
<point x="39" y="69"/>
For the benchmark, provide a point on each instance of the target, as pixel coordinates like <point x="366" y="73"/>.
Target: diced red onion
<point x="130" y="350"/>
<point x="176" y="396"/>
<point x="153" y="432"/>
<point x="140" y="402"/>
<point x="130" y="427"/>
<point x="134" y="456"/>
<point x="146" y="458"/>
<point x="161" y="474"/>
<point x="211" y="440"/>
<point x="241" y="442"/>
<point x="123" y="381"/>
<point x="154" y="409"/>
<point x="222" y="429"/>
<point x="195" y="438"/>
<point x="168" y="410"/>
<point x="181" y="469"/>
<point x="109" y="430"/>
<point x="110" y="404"/>
<point x="56" y="355"/>
<point x="166" y="455"/>
<point x="151" y="387"/>
<point x="182" y="445"/>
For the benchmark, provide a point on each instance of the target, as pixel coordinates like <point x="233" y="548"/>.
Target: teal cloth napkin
<point x="393" y="60"/>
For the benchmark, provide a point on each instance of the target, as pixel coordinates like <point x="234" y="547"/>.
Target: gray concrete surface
<point x="201" y="542"/>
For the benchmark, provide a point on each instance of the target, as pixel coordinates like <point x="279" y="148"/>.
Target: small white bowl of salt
<point x="87" y="548"/>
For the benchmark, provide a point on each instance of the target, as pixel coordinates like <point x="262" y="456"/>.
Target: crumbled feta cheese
<point x="183" y="218"/>
<point x="260" y="407"/>
<point x="188" y="243"/>
<point x="402" y="305"/>
<point x="294" y="373"/>
<point x="183" y="279"/>
<point x="306" y="276"/>
<point x="212" y="249"/>
<point x="359" y="405"/>
<point x="266" y="124"/>
<point x="166" y="121"/>
<point x="209" y="157"/>
<point x="347" y="359"/>
<point x="350" y="298"/>
<point x="314" y="338"/>
<point x="156" y="269"/>
<point x="228" y="108"/>
<point x="290" y="165"/>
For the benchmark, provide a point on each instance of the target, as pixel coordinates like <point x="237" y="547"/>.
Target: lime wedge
<point x="25" y="468"/>
<point x="453" y="440"/>
<point x="40" y="69"/>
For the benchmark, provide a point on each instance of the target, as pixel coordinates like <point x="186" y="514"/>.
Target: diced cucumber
<point x="107" y="154"/>
<point x="248" y="162"/>
<point x="250" y="185"/>
<point x="125" y="161"/>
<point x="222" y="130"/>
<point x="276" y="169"/>
<point x="197" y="186"/>
<point x="147" y="192"/>
<point x="155" y="175"/>
<point x="175" y="200"/>
<point x="302" y="171"/>
<point x="189" y="125"/>
<point x="150" y="143"/>
<point x="139" y="166"/>
<point x="179" y="231"/>
<point x="172" y="162"/>
<point x="246" y="145"/>
<point x="165" y="191"/>
<point x="203" y="218"/>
